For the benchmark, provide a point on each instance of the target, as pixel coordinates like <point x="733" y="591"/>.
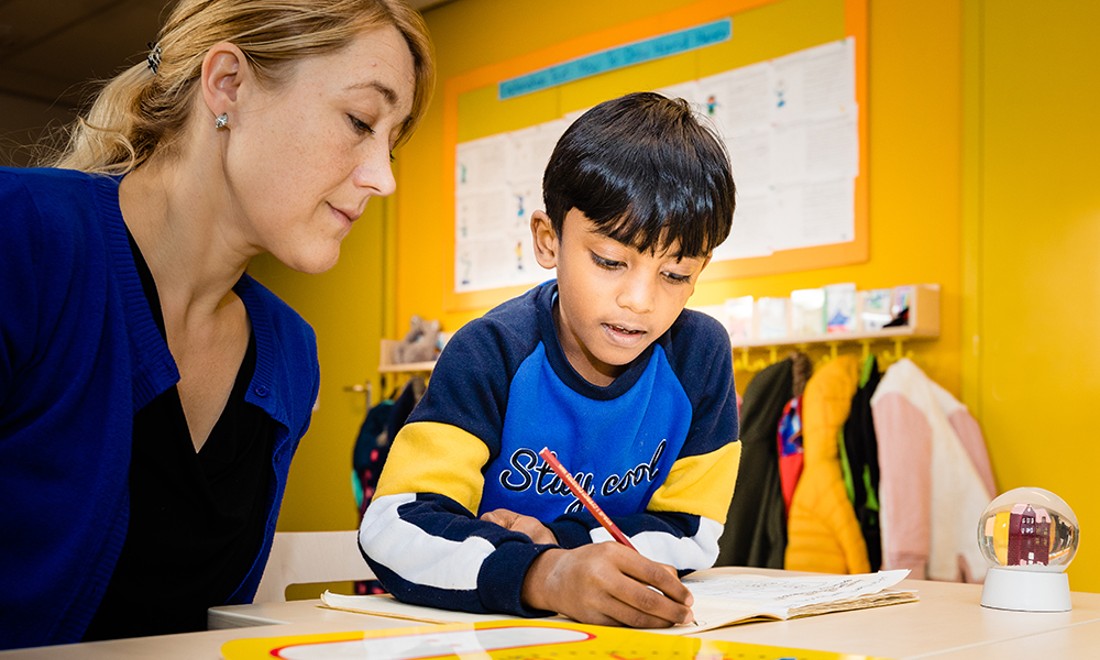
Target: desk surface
<point x="1077" y="641"/>
<point x="948" y="623"/>
<point x="948" y="616"/>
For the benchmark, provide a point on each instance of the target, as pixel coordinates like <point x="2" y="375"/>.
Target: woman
<point x="152" y="393"/>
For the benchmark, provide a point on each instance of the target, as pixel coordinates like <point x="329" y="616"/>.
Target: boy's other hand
<point x="607" y="584"/>
<point x="516" y="522"/>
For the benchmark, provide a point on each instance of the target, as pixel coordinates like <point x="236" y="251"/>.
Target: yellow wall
<point x="974" y="184"/>
<point x="345" y="306"/>
<point x="1033" y="209"/>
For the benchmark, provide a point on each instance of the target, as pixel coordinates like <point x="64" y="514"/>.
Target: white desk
<point x="948" y="622"/>
<point x="947" y="617"/>
<point x="1077" y="641"/>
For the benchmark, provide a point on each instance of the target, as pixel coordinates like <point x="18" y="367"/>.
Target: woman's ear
<point x="224" y="70"/>
<point x="546" y="240"/>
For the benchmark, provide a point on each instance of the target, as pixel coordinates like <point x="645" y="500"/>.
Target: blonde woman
<point x="152" y="393"/>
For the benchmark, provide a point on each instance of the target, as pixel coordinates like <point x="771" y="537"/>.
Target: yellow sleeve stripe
<point x="429" y="457"/>
<point x="701" y="485"/>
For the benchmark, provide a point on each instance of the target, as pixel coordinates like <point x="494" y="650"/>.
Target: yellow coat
<point x="823" y="534"/>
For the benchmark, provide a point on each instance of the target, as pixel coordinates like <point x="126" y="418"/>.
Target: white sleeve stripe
<point x="414" y="554"/>
<point x="683" y="553"/>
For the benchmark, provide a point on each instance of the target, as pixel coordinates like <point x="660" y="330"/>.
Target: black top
<point x="755" y="533"/>
<point x="196" y="519"/>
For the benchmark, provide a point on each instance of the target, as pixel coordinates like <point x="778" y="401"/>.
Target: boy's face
<point x="613" y="301"/>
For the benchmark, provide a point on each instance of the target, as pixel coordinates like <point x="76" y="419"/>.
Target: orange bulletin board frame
<point x="844" y="18"/>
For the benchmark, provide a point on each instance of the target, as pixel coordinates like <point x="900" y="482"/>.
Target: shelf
<point x="886" y="334"/>
<point x="924" y="323"/>
<point x="386" y="365"/>
<point x="407" y="368"/>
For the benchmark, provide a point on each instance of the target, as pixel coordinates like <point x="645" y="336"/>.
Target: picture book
<point x="902" y="300"/>
<point x="874" y="309"/>
<point x="739" y="313"/>
<point x="807" y="312"/>
<point x="840" y="308"/>
<point x="772" y="318"/>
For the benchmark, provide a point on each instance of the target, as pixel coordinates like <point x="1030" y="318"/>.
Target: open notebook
<point x="721" y="599"/>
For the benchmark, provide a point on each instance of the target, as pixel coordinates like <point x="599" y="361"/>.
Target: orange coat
<point x="823" y="534"/>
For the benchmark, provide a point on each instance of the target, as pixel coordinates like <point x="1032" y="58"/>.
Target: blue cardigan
<point x="79" y="354"/>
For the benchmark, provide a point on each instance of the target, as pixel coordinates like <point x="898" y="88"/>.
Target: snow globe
<point x="1028" y="537"/>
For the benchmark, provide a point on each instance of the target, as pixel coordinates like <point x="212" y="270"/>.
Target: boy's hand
<point x="607" y="584"/>
<point x="516" y="522"/>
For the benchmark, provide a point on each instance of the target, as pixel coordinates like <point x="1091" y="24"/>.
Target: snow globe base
<point x="1026" y="591"/>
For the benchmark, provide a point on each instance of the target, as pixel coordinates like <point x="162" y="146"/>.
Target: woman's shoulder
<point x="57" y="214"/>
<point x="53" y="195"/>
<point x="47" y="181"/>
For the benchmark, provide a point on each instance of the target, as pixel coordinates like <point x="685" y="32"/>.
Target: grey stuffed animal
<point x="419" y="344"/>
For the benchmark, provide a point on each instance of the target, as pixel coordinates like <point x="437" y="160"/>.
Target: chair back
<point x="309" y="557"/>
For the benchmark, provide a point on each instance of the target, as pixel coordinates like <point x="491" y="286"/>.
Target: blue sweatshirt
<point x="79" y="354"/>
<point x="657" y="449"/>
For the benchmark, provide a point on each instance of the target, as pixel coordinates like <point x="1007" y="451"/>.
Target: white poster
<point x="790" y="126"/>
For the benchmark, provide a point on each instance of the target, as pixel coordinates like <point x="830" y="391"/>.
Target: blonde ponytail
<point x="139" y="112"/>
<point x="108" y="139"/>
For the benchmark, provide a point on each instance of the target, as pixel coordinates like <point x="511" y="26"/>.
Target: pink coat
<point x="935" y="478"/>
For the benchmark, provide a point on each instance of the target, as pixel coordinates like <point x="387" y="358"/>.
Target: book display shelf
<point x="922" y="310"/>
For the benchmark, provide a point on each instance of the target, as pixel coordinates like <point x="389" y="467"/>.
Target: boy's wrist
<point x="534" y="592"/>
<point x="570" y="533"/>
<point x="501" y="578"/>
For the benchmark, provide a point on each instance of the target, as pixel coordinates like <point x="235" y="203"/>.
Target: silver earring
<point x="221" y="121"/>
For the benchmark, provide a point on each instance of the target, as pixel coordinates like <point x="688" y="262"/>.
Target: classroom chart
<point x="790" y="128"/>
<point x="789" y="105"/>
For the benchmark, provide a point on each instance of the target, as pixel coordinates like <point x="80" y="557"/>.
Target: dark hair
<point x="647" y="173"/>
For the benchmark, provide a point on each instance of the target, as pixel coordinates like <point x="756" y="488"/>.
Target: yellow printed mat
<point x="510" y="640"/>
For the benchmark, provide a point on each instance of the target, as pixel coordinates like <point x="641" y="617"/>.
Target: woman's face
<point x="303" y="158"/>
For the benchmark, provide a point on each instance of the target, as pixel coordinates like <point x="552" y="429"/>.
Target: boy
<point x="603" y="366"/>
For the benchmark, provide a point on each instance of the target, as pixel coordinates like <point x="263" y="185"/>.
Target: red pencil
<point x="585" y="498"/>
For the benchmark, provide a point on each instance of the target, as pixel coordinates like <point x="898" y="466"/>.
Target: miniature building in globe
<point x="1028" y="535"/>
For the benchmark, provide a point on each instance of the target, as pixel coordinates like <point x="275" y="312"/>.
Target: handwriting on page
<point x="792" y="592"/>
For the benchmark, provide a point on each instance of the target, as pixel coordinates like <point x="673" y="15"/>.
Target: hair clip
<point x="153" y="58"/>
